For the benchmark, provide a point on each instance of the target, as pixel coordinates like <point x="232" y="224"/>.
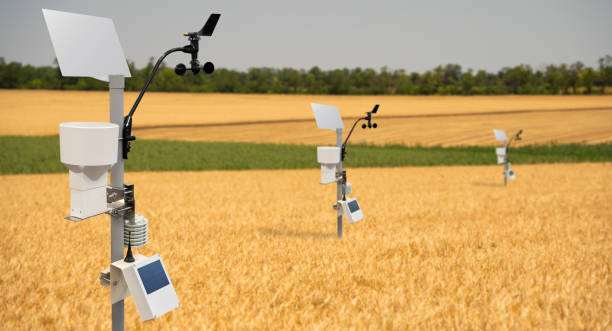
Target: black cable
<point x="150" y="78"/>
<point x="343" y="152"/>
<point x="126" y="130"/>
<point x="353" y="128"/>
<point x="517" y="136"/>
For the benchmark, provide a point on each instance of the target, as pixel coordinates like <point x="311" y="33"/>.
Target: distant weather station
<point x="502" y="153"/>
<point x="331" y="158"/>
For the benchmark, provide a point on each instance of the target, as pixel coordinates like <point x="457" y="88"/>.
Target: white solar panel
<point x="85" y="46"/>
<point x="327" y="117"/>
<point x="500" y="135"/>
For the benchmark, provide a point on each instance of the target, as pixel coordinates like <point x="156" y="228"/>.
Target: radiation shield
<point x="85" y="46"/>
<point x="327" y="117"/>
<point x="500" y="135"/>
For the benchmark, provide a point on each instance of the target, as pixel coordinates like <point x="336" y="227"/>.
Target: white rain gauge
<point x="331" y="157"/>
<point x="502" y="153"/>
<point x="88" y="46"/>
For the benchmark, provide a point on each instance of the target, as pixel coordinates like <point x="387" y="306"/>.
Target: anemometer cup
<point x="208" y="68"/>
<point x="88" y="149"/>
<point x="328" y="157"/>
<point x="180" y="69"/>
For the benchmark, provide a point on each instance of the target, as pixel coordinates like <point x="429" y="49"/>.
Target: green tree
<point x="467" y="82"/>
<point x="517" y="78"/>
<point x="605" y="72"/>
<point x="574" y="75"/>
<point x="587" y="78"/>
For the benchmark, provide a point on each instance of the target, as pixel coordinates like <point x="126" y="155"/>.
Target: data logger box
<point x="147" y="281"/>
<point x="351" y="209"/>
<point x="510" y="173"/>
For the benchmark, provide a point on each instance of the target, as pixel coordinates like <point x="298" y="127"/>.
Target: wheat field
<point x="439" y="248"/>
<point x="408" y="120"/>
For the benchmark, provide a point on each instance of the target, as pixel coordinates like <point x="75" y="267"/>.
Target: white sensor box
<point x="501" y="154"/>
<point x="352" y="210"/>
<point x="88" y="149"/>
<point x="328" y="157"/>
<point x="147" y="281"/>
<point x="510" y="173"/>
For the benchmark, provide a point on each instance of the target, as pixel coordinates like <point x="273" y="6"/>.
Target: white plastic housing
<point x="348" y="188"/>
<point x="501" y="154"/>
<point x="329" y="157"/>
<point x="88" y="149"/>
<point x="351" y="208"/>
<point x="149" y="284"/>
<point x="511" y="174"/>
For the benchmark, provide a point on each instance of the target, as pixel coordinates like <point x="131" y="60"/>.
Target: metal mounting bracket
<point x="114" y="194"/>
<point x="115" y="201"/>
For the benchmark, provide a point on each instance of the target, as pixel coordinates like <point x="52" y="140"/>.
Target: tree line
<point x="450" y="79"/>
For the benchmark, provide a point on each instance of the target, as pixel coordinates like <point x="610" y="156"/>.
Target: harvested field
<point x="409" y="120"/>
<point x="561" y="127"/>
<point x="440" y="247"/>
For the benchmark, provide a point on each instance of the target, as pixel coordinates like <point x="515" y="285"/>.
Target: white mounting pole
<point x="339" y="210"/>
<point x="506" y="164"/>
<point x="116" y="84"/>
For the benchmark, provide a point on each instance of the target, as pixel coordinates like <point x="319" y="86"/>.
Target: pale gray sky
<point x="410" y="35"/>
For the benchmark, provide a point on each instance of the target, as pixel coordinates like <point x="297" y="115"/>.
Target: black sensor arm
<point x="192" y="48"/>
<point x="368" y="118"/>
<point x="517" y="136"/>
<point x="127" y="120"/>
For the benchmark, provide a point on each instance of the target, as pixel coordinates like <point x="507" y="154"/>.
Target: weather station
<point x="88" y="46"/>
<point x="331" y="158"/>
<point x="502" y="153"/>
